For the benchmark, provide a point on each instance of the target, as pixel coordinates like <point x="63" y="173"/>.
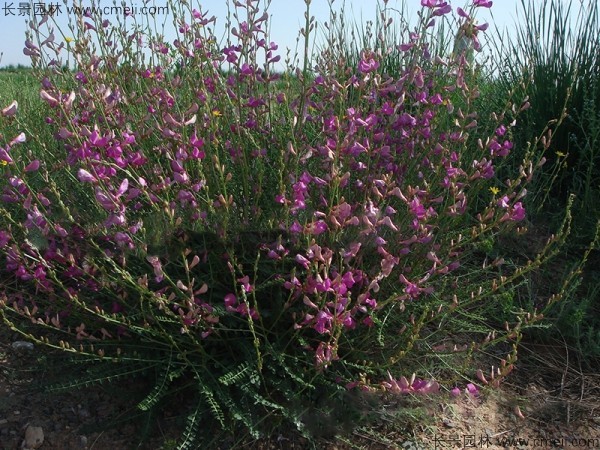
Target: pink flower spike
<point x="455" y="392"/>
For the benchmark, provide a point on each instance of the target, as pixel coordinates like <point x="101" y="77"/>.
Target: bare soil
<point x="548" y="402"/>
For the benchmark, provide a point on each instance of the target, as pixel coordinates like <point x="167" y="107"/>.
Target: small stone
<point x="83" y="413"/>
<point x="448" y="423"/>
<point x="3" y="422"/>
<point x="22" y="345"/>
<point x="34" y="438"/>
<point x="16" y="413"/>
<point x="83" y="440"/>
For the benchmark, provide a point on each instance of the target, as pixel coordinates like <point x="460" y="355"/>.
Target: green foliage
<point x="553" y="59"/>
<point x="222" y="301"/>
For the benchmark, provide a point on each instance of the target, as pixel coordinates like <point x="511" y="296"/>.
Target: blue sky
<point x="287" y="17"/>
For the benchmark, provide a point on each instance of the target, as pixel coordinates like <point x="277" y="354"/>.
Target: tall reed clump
<point x="262" y="243"/>
<point x="555" y="58"/>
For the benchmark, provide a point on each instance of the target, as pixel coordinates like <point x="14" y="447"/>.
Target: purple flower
<point x="296" y="228"/>
<point x="230" y="302"/>
<point x="196" y="141"/>
<point x="415" y="385"/>
<point x="4" y="156"/>
<point x="323" y="322"/>
<point x="504" y="202"/>
<point x="302" y="261"/>
<point x="483" y="3"/>
<point x="124" y="240"/>
<point x="443" y="8"/>
<point x="367" y="65"/>
<point x="157" y="266"/>
<point x="33" y="166"/>
<point x="417" y="208"/>
<point x="11" y="109"/>
<point x="18" y="140"/>
<point x="52" y="101"/>
<point x="80" y="76"/>
<point x="4" y="238"/>
<point x="246" y="286"/>
<point x="105" y="200"/>
<point x="246" y="69"/>
<point x="319" y="227"/>
<point x="86" y="177"/>
<point x="518" y="212"/>
<point x="324" y="354"/>
<point x="461" y="12"/>
<point x="472" y="390"/>
<point x="123" y="187"/>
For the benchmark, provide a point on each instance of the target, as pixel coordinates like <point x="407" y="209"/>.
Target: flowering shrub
<point x="267" y="233"/>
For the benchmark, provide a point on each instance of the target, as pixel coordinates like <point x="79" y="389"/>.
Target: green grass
<point x="554" y="60"/>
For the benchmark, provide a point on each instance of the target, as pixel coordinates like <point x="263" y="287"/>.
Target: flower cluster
<point x="201" y="195"/>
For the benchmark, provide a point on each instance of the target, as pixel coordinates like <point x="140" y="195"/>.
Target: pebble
<point x="83" y="412"/>
<point x="3" y="422"/>
<point x="22" y="345"/>
<point x="448" y="423"/>
<point x="34" y="438"/>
